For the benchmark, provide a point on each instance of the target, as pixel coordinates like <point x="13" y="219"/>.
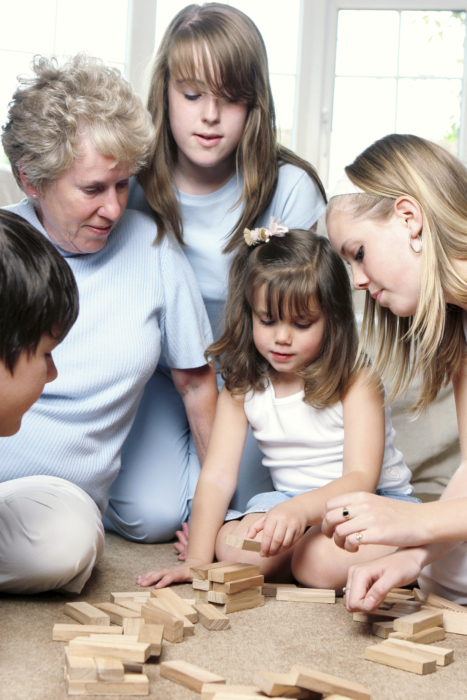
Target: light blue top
<point x="208" y="220"/>
<point x="137" y="301"/>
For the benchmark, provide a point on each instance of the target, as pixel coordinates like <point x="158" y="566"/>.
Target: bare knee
<point x="318" y="563"/>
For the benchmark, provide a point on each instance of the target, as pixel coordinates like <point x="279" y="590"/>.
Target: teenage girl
<point x="400" y="220"/>
<point x="287" y="355"/>
<point x="216" y="168"/>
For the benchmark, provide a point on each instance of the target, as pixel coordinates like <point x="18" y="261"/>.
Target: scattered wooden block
<point x="116" y="613"/>
<point x="202" y="595"/>
<point x="327" y="684"/>
<point x="242" y="584"/>
<point x="132" y="667"/>
<point x="383" y="629"/>
<point x="307" y="595"/>
<point x="132" y="625"/>
<point x="188" y="675"/>
<point x="110" y="670"/>
<point x="239" y="605"/>
<point x="166" y="604"/>
<point x="432" y="634"/>
<point x="80" y="667"/>
<point x="454" y="622"/>
<point x="116" y="638"/>
<point x="209" y="690"/>
<point x="376" y="616"/>
<point x="179" y="603"/>
<point x="64" y="633"/>
<point x="233" y="572"/>
<point x="419" y="595"/>
<point x="158" y="615"/>
<point x="270" y="589"/>
<point x="131" y="605"/>
<point x="410" y="624"/>
<point x="406" y="607"/>
<point x="211" y="618"/>
<point x="219" y="597"/>
<point x="403" y="659"/>
<point x="202" y="585"/>
<point x="152" y="635"/>
<point x="127" y="651"/>
<point x="201" y="572"/>
<point x="86" y="614"/>
<point x="129" y="595"/>
<point x="132" y="684"/>
<point x="436" y="601"/>
<point x="243" y="543"/>
<point x="278" y="684"/>
<point x="441" y="655"/>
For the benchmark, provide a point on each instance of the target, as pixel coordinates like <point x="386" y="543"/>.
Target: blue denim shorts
<point x="265" y="501"/>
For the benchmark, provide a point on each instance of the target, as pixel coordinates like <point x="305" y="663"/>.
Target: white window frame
<point x="141" y="36"/>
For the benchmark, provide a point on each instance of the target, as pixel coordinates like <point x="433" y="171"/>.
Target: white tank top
<point x="303" y="446"/>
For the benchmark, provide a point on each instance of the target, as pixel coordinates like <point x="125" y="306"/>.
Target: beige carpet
<point x="271" y="638"/>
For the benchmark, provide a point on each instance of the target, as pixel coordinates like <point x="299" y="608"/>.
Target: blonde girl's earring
<point x="411" y="242"/>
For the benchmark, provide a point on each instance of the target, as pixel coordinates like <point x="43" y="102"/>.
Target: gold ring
<point x="345" y="513"/>
<point x="359" y="537"/>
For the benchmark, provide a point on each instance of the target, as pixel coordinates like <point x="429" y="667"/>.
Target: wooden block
<point x="63" y="633"/>
<point x="410" y="624"/>
<point x="211" y="618"/>
<point x="243" y="543"/>
<point x="277" y="684"/>
<point x="219" y="597"/>
<point x="242" y="605"/>
<point x="129" y="595"/>
<point x="132" y="667"/>
<point x="158" y="615"/>
<point x="436" y="601"/>
<point x="132" y="684"/>
<point x="403" y="659"/>
<point x="80" y="667"/>
<point x="180" y="604"/>
<point x="406" y="607"/>
<point x="441" y="655"/>
<point x="454" y="622"/>
<point x="402" y="591"/>
<point x="109" y="669"/>
<point x="419" y="595"/>
<point x="132" y="625"/>
<point x="152" y="635"/>
<point x="202" y="595"/>
<point x="383" y="629"/>
<point x="202" y="585"/>
<point x="327" y="684"/>
<point x="131" y="605"/>
<point x="116" y="613"/>
<point x="166" y="604"/>
<point x="86" y="614"/>
<point x="307" y="595"/>
<point x="188" y="675"/>
<point x="242" y="584"/>
<point x="127" y="651"/>
<point x="118" y="639"/>
<point x="201" y="572"/>
<point x="209" y="690"/>
<point x="432" y="634"/>
<point x="376" y="616"/>
<point x="270" y="589"/>
<point x="233" y="572"/>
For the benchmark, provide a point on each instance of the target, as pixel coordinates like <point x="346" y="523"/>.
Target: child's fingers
<point x="256" y="527"/>
<point x="164" y="577"/>
<point x="273" y="537"/>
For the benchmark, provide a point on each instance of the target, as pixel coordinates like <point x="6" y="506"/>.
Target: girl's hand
<point x="378" y="519"/>
<point x="164" y="577"/>
<point x="282" y="527"/>
<point x="368" y="584"/>
<point x="182" y="545"/>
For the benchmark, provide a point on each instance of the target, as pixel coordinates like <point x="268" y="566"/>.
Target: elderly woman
<point x="74" y="137"/>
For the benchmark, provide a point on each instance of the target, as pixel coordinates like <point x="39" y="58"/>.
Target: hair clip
<point x="262" y="235"/>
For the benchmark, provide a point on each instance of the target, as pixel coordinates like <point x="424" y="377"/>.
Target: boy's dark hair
<point x="297" y="272"/>
<point x="38" y="291"/>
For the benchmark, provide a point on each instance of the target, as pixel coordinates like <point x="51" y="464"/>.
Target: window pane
<point x="367" y="42"/>
<point x="364" y="110"/>
<point x="432" y="43"/>
<point x="283" y="92"/>
<point x="28" y="24"/>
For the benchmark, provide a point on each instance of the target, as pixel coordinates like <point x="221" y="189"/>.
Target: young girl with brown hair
<point x="216" y="168"/>
<point x="287" y="355"/>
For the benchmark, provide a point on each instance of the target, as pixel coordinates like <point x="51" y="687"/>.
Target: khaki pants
<point x="51" y="535"/>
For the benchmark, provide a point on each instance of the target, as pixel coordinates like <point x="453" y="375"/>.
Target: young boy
<point x="38" y="306"/>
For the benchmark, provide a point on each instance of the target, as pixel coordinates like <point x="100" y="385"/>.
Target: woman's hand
<point x="182" y="545"/>
<point x="174" y="574"/>
<point x="378" y="519"/>
<point x="368" y="584"/>
<point x="282" y="527"/>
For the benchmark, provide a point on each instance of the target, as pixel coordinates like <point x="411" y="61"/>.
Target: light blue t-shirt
<point x="208" y="220"/>
<point x="137" y="300"/>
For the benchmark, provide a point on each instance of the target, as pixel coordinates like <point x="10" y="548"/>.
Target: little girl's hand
<point x="173" y="574"/>
<point x="282" y="527"/>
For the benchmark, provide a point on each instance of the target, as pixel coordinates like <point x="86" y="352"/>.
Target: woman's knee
<point x="146" y="521"/>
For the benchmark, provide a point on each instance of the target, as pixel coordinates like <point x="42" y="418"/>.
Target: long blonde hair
<point x="430" y="342"/>
<point x="228" y="48"/>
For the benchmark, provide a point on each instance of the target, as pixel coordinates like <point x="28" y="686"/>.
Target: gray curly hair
<point x="50" y="112"/>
